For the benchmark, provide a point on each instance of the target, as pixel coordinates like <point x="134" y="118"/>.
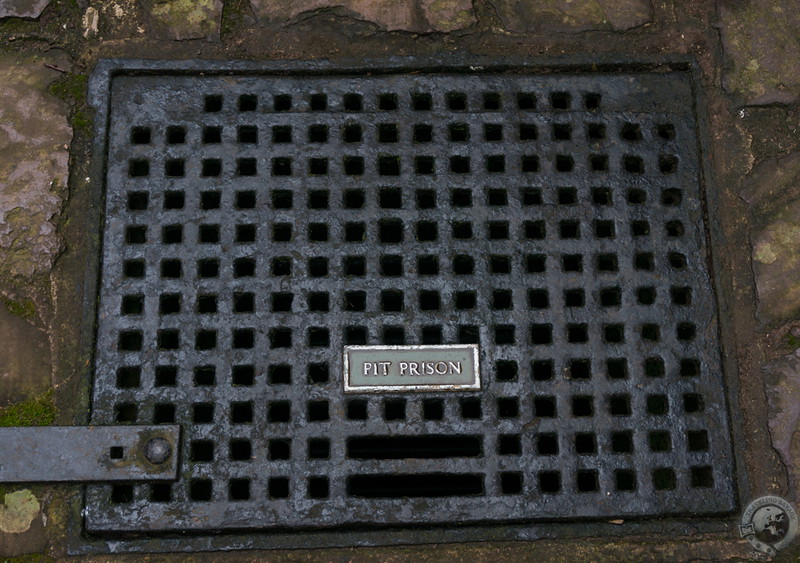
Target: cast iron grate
<point x="257" y="224"/>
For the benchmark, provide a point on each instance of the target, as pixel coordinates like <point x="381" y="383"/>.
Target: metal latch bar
<point x="89" y="453"/>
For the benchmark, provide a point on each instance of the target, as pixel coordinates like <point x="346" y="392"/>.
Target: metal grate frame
<point x="255" y="224"/>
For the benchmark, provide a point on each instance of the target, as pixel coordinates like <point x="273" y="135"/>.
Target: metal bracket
<point x="89" y="453"/>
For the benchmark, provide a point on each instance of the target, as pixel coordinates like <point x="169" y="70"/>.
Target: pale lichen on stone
<point x="18" y="512"/>
<point x="448" y="15"/>
<point x="762" y="45"/>
<point x="90" y="20"/>
<point x="187" y="19"/>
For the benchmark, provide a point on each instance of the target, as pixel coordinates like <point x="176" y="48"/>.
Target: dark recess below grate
<point x="256" y="225"/>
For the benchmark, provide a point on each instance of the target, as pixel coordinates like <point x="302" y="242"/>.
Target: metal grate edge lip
<point x="712" y="323"/>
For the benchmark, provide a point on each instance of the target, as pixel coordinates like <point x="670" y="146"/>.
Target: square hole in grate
<point x="203" y="413"/>
<point x="200" y="490"/>
<point x="243" y="375"/>
<point x="201" y="451"/>
<point x="542" y="370"/>
<point x="357" y="409"/>
<point x="318" y="487"/>
<point x="318" y="102"/>
<point x="318" y="411"/>
<point x="318" y="372"/>
<point x="511" y="483"/>
<point x="319" y="448"/>
<point x="544" y="406"/>
<point x="625" y="479"/>
<point x="432" y="409"/>
<point x="279" y="374"/>
<point x="394" y="409"/>
<point x="278" y="487"/>
<point x="163" y="413"/>
<point x="161" y="492"/>
<point x="547" y="444"/>
<point x="239" y="489"/>
<point x="550" y="482"/>
<point x="352" y="102"/>
<point x="121" y="494"/>
<point x="493" y="132"/>
<point x="278" y="449"/>
<point x="509" y="445"/>
<point x="432" y="335"/>
<point x="279" y="411"/>
<point x="471" y="408"/>
<point x="585" y="443"/>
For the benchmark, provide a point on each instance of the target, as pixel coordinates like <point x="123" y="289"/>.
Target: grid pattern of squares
<point x="257" y="226"/>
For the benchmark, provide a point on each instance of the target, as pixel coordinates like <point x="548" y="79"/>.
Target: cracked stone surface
<point x="186" y="19"/>
<point x="771" y="131"/>
<point x="534" y="16"/>
<point x="782" y="386"/>
<point x="420" y="17"/>
<point x="22" y="8"/>
<point x="24" y="359"/>
<point x="34" y="142"/>
<point x="116" y="19"/>
<point x="448" y="15"/>
<point x="761" y="41"/>
<point x="771" y="191"/>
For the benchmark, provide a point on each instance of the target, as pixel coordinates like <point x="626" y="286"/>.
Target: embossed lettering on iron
<point x="381" y="369"/>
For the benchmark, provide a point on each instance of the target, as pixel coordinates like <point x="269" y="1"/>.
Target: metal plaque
<point x="380" y="369"/>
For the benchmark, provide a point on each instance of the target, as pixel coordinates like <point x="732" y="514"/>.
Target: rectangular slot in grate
<point x="257" y="224"/>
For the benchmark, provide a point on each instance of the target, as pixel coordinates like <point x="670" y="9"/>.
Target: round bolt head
<point x="157" y="450"/>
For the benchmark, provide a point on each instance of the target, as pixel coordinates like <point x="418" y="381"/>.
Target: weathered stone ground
<point x="749" y="53"/>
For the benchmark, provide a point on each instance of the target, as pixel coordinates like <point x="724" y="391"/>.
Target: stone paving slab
<point x="761" y="39"/>
<point x="24" y="358"/>
<point x="782" y="386"/>
<point x="770" y="189"/>
<point x="419" y="16"/>
<point x="186" y="19"/>
<point x="556" y="16"/>
<point x="22" y="8"/>
<point x="34" y="154"/>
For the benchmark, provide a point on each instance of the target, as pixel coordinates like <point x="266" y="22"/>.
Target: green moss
<point x="232" y="15"/>
<point x="59" y="19"/>
<point x="18" y="26"/>
<point x="82" y="121"/>
<point x="793" y="341"/>
<point x="24" y="309"/>
<point x="39" y="411"/>
<point x="31" y="558"/>
<point x="70" y="88"/>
